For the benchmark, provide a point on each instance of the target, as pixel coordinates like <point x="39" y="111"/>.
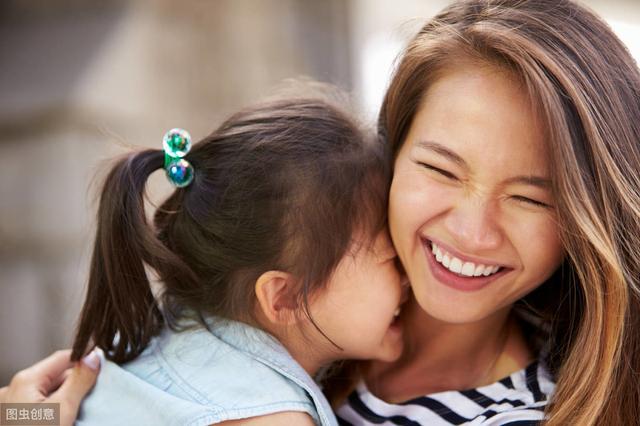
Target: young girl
<point x="272" y="253"/>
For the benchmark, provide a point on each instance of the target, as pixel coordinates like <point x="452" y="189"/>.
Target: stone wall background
<point x="81" y="80"/>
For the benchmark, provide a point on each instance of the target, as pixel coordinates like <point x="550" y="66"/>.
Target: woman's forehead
<point x="477" y="113"/>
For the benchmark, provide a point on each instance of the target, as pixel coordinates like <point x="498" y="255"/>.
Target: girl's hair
<point x="585" y="87"/>
<point x="282" y="185"/>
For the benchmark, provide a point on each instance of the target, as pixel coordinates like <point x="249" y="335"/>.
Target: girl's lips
<point x="395" y="326"/>
<point x="456" y="281"/>
<point x="396" y="323"/>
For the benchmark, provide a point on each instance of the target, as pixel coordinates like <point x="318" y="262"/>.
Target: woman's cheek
<point x="536" y="238"/>
<point x="420" y="200"/>
<point x="415" y="204"/>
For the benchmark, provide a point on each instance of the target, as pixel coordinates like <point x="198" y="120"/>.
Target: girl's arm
<point x="285" y="418"/>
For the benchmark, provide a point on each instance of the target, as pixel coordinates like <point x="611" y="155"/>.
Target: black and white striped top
<point x="516" y="400"/>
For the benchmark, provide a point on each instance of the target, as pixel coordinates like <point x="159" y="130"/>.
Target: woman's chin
<point x="439" y="307"/>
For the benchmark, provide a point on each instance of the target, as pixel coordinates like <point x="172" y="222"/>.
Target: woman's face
<point x="471" y="211"/>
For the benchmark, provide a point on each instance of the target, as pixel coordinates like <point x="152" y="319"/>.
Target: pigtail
<point x="120" y="314"/>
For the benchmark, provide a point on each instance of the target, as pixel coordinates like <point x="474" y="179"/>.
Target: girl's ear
<point x="275" y="291"/>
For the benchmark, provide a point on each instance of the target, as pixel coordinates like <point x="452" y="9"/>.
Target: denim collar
<point x="266" y="349"/>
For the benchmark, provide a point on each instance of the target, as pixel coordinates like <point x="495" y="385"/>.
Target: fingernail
<point x="92" y="360"/>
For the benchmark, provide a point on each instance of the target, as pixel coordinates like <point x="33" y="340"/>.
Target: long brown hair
<point x="282" y="185"/>
<point x="585" y="87"/>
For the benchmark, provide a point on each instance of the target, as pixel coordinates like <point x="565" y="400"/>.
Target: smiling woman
<point x="468" y="213"/>
<point x="515" y="210"/>
<point x="513" y="128"/>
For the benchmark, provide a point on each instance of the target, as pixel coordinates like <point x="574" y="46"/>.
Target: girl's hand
<point x="55" y="379"/>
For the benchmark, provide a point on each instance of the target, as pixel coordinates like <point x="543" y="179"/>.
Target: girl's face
<point x="358" y="309"/>
<point x="471" y="211"/>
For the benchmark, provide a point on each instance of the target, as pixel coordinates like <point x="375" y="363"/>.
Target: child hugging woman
<point x="512" y="129"/>
<point x="275" y="261"/>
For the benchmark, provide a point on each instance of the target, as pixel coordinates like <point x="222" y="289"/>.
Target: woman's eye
<point x="530" y="201"/>
<point x="444" y="173"/>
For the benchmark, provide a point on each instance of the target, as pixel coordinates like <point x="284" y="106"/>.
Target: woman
<point x="515" y="209"/>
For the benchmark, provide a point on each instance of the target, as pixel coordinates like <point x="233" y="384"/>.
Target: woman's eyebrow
<point x="443" y="151"/>
<point x="537" y="181"/>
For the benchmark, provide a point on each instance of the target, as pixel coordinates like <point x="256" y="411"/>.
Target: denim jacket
<point x="203" y="376"/>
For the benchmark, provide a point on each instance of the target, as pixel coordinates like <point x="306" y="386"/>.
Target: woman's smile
<point x="459" y="271"/>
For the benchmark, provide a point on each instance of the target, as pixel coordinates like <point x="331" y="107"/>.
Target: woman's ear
<point x="276" y="295"/>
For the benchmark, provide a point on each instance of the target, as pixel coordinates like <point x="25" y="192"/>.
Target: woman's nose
<point x="474" y="225"/>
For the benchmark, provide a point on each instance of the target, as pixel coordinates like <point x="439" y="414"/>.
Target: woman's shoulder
<point x="517" y="399"/>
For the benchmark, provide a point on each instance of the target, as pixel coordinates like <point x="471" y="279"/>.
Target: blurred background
<point x="81" y="79"/>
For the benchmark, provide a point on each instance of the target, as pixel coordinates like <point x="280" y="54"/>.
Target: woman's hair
<point x="282" y="185"/>
<point x="585" y="87"/>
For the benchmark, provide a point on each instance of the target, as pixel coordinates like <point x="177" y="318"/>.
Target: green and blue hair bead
<point x="176" y="144"/>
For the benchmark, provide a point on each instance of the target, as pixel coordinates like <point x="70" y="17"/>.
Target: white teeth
<point x="467" y="269"/>
<point x="455" y="265"/>
<point x="439" y="255"/>
<point x="479" y="270"/>
<point x="490" y="270"/>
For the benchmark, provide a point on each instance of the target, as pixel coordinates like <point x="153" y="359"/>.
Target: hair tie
<point x="176" y="144"/>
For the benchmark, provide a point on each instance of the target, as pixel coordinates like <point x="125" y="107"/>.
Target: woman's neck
<point x="442" y="356"/>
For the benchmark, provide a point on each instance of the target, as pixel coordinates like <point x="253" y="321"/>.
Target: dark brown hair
<point x="585" y="87"/>
<point x="282" y="185"/>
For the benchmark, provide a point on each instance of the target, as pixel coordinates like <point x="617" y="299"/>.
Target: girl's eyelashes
<point x="444" y="173"/>
<point x="530" y="201"/>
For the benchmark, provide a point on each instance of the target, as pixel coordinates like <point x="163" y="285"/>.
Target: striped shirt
<point x="516" y="400"/>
